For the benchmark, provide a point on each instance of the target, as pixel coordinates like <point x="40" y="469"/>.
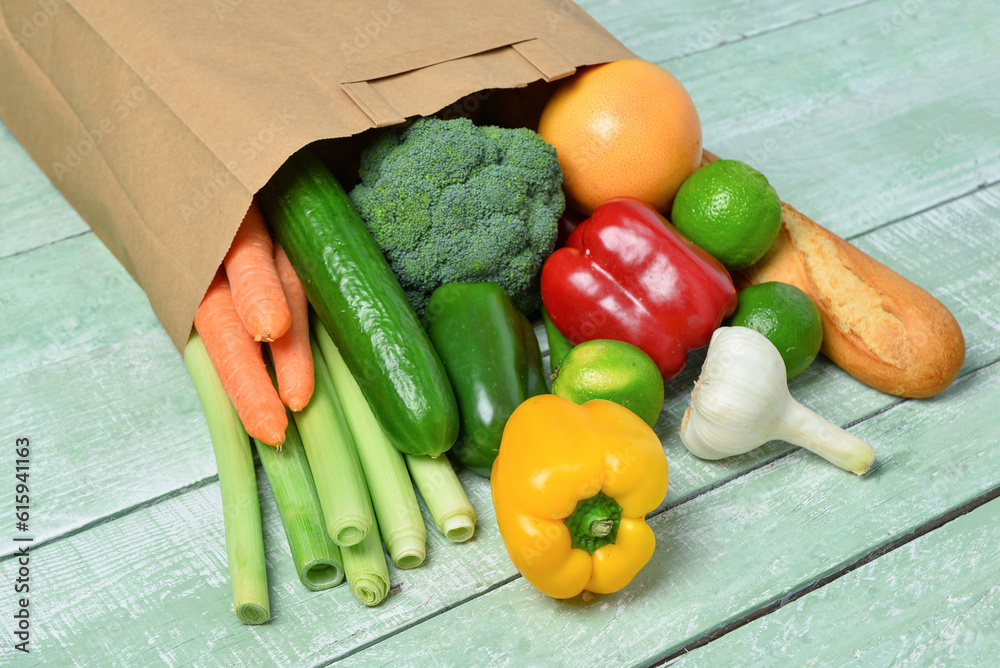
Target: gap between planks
<point x="980" y="187"/>
<point x="764" y="610"/>
<point x="844" y="570"/>
<point x="123" y="512"/>
<point x="767" y="31"/>
<point x="25" y="251"/>
<point x="768" y="608"/>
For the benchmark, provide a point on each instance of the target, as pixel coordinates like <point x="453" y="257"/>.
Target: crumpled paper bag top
<point x="158" y="121"/>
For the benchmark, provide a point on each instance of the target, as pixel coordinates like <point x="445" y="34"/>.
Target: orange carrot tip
<point x="256" y="288"/>
<point x="292" y="355"/>
<point x="238" y="360"/>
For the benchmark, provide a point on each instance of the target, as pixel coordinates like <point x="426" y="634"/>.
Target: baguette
<point x="877" y="326"/>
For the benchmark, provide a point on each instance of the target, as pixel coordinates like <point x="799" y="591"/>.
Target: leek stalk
<point x="238" y="482"/>
<point x="333" y="460"/>
<point x="366" y="569"/>
<point x="389" y="484"/>
<point x="316" y="557"/>
<point x="444" y="496"/>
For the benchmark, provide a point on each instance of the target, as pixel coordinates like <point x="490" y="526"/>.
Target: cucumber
<point x="361" y="304"/>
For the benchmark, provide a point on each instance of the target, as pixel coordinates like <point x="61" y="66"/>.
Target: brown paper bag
<point x="159" y="120"/>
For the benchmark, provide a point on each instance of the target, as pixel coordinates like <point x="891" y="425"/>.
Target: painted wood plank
<point x="862" y="116"/>
<point x="735" y="548"/>
<point x="934" y="601"/>
<point x="946" y="249"/>
<point x="109" y="430"/>
<point x="486" y="566"/>
<point x="71" y="298"/>
<point x="32" y="212"/>
<point x="152" y="588"/>
<point x="671" y="30"/>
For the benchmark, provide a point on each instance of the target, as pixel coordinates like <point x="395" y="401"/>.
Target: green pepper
<point x="559" y="345"/>
<point x="492" y="359"/>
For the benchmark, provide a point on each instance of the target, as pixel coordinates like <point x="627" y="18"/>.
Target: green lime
<point x="787" y="316"/>
<point x="612" y="370"/>
<point x="728" y="208"/>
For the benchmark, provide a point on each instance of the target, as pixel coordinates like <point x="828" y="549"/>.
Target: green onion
<point x="391" y="489"/>
<point x="334" y="462"/>
<point x="444" y="495"/>
<point x="367" y="571"/>
<point x="316" y="557"/>
<point x="238" y="482"/>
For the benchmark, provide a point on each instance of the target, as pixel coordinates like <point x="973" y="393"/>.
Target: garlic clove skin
<point x="741" y="401"/>
<point x="738" y="397"/>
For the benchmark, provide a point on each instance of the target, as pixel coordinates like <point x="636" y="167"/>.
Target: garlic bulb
<point x="741" y="401"/>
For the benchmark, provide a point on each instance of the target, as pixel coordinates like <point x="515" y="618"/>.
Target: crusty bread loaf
<point x="879" y="327"/>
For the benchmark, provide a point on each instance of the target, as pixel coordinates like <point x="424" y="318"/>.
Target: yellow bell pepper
<point x="571" y="486"/>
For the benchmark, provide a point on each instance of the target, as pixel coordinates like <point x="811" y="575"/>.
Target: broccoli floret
<point x="450" y="201"/>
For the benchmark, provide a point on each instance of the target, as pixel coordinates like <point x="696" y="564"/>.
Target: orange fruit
<point x="625" y="128"/>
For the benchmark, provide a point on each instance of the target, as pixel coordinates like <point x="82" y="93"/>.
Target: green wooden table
<point x="878" y="118"/>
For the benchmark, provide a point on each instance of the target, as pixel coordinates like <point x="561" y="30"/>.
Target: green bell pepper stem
<point x="594" y="522"/>
<point x="559" y="345"/>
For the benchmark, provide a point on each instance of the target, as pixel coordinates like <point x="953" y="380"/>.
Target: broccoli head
<point x="448" y="201"/>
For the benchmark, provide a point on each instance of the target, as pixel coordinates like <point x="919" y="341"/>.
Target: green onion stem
<point x="238" y="483"/>
<point x="444" y="495"/>
<point x="333" y="460"/>
<point x="366" y="569"/>
<point x="316" y="557"/>
<point x="389" y="484"/>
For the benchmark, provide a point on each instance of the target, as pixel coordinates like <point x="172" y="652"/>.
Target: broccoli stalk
<point x="449" y="201"/>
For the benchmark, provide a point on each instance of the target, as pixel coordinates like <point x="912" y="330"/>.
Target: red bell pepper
<point x="627" y="274"/>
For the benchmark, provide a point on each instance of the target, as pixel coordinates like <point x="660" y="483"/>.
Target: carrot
<point x="293" y="361"/>
<point x="238" y="360"/>
<point x="256" y="288"/>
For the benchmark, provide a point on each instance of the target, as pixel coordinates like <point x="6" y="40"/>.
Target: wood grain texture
<point x="32" y="212"/>
<point x="665" y="31"/>
<point x="70" y="298"/>
<point x="862" y="116"/>
<point x="860" y="112"/>
<point x="934" y="601"/>
<point x="733" y="549"/>
<point x="109" y="430"/>
<point x="152" y="588"/>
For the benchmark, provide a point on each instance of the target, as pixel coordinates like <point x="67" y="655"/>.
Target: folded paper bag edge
<point x="177" y="317"/>
<point x="382" y="113"/>
<point x="452" y="49"/>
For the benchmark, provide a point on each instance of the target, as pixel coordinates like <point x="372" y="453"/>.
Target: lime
<point x="787" y="316"/>
<point x="729" y="209"/>
<point x="612" y="370"/>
